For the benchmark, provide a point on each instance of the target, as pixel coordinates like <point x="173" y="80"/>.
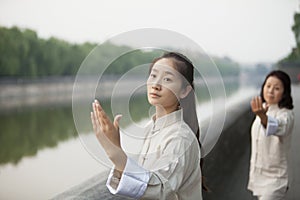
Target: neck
<point x="161" y="111"/>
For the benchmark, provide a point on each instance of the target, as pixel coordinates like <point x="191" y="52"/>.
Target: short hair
<point x="287" y="100"/>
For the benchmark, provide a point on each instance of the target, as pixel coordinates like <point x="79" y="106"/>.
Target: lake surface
<point x="41" y="154"/>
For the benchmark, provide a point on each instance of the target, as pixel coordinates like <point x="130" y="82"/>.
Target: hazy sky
<point x="247" y="31"/>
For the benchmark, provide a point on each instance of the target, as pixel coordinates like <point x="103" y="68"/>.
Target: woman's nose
<point x="156" y="86"/>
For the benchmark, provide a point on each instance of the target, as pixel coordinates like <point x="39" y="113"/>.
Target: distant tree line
<point x="294" y="56"/>
<point x="24" y="54"/>
<point x="291" y="63"/>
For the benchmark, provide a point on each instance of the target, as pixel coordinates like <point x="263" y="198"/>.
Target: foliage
<point x="294" y="56"/>
<point x="24" y="54"/>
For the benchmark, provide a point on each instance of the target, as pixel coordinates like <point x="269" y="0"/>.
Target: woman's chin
<point x="271" y="102"/>
<point x="153" y="103"/>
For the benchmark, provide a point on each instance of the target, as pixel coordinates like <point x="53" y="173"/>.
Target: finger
<point x="104" y="119"/>
<point x="93" y="121"/>
<point x="95" y="111"/>
<point x="99" y="111"/>
<point x="252" y="103"/>
<point x="116" y="121"/>
<point x="259" y="100"/>
<point x="97" y="130"/>
<point x="257" y="103"/>
<point x="99" y="116"/>
<point x="94" y="116"/>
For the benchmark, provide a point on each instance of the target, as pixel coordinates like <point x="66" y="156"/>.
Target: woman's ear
<point x="185" y="92"/>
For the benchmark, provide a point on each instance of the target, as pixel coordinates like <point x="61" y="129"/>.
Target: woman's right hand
<point x="108" y="135"/>
<point x="258" y="109"/>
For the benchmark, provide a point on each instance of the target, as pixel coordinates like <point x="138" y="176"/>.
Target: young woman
<point x="168" y="167"/>
<point x="271" y="137"/>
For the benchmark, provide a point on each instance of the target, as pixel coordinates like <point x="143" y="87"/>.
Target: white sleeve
<point x="280" y="125"/>
<point x="272" y="126"/>
<point x="133" y="182"/>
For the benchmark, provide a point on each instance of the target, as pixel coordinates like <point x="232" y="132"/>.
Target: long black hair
<point x="286" y="100"/>
<point x="188" y="104"/>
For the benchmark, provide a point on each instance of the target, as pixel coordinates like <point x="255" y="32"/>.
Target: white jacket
<point x="168" y="167"/>
<point x="269" y="152"/>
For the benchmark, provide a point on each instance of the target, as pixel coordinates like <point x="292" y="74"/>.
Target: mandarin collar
<point x="273" y="107"/>
<point x="167" y="120"/>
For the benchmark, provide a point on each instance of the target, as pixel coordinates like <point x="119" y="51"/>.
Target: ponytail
<point x="188" y="105"/>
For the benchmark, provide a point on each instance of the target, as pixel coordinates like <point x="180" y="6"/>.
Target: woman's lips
<point x="154" y="95"/>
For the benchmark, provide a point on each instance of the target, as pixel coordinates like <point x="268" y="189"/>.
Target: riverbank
<point x="226" y="167"/>
<point x="48" y="91"/>
<point x="52" y="91"/>
<point x="18" y="93"/>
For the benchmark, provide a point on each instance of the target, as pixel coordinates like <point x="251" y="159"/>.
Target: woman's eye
<point x="152" y="75"/>
<point x="167" y="79"/>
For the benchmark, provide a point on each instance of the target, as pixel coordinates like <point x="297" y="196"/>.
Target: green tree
<point x="24" y="54"/>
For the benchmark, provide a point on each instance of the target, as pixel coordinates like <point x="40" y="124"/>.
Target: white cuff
<point x="272" y="126"/>
<point x="133" y="182"/>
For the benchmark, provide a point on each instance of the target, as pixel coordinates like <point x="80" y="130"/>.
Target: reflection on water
<point x="23" y="133"/>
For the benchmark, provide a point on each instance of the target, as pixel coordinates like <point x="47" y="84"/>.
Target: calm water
<point x="41" y="154"/>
